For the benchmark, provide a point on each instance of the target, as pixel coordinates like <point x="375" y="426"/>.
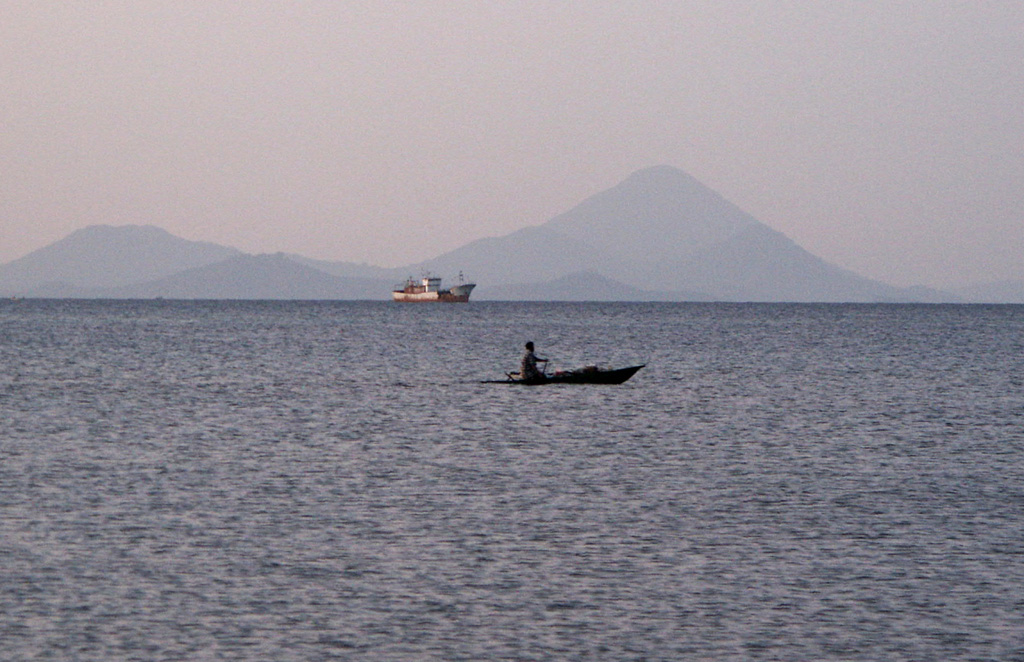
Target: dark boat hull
<point x="583" y="376"/>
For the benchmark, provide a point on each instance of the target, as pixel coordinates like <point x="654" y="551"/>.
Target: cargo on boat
<point x="429" y="288"/>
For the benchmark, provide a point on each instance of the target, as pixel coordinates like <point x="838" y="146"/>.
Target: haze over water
<point x="258" y="480"/>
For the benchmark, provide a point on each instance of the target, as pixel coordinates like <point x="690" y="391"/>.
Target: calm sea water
<point x="316" y="481"/>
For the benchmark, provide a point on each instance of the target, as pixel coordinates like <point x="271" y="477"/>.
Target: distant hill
<point x="760" y="264"/>
<point x="145" y="262"/>
<point x="104" y="256"/>
<point x="529" y="255"/>
<point x="656" y="215"/>
<point x="661" y="230"/>
<point x="660" y="235"/>
<point x="255" y="277"/>
<point x="581" y="286"/>
<point x="350" y="269"/>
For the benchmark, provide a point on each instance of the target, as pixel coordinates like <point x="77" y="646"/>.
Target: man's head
<point x="529" y="345"/>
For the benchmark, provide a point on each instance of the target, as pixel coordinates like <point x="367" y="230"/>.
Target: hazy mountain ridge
<point x="660" y="230"/>
<point x="267" y="276"/>
<point x="659" y="235"/>
<point x="346" y="269"/>
<point x="105" y="256"/>
<point x="655" y="214"/>
<point x="762" y="264"/>
<point x="531" y="254"/>
<point x="581" y="286"/>
<point x="147" y="262"/>
<point x="241" y="277"/>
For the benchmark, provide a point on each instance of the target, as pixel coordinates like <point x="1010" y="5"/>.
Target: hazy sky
<point x="886" y="136"/>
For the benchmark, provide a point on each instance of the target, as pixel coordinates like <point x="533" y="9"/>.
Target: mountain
<point x="662" y="230"/>
<point x="659" y="235"/>
<point x="761" y="264"/>
<point x="239" y="277"/>
<point x="656" y="214"/>
<point x="531" y="254"/>
<point x="581" y="286"/>
<point x="255" y="277"/>
<point x="349" y="269"/>
<point x="104" y="256"/>
<point x="135" y="261"/>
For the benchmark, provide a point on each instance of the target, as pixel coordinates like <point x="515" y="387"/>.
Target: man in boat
<point x="528" y="366"/>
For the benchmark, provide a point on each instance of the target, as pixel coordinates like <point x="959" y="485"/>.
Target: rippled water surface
<point x="314" y="481"/>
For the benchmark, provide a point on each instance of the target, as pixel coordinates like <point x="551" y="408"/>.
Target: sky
<point x="885" y="136"/>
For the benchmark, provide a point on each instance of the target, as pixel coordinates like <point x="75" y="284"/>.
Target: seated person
<point x="528" y="366"/>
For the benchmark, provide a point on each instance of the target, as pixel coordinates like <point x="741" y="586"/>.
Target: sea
<point x="190" y="480"/>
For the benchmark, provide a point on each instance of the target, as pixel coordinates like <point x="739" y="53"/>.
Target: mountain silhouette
<point x="656" y="214"/>
<point x="105" y="256"/>
<point x="661" y="230"/>
<point x="135" y="261"/>
<point x="255" y="277"/>
<point x="659" y="235"/>
<point x="582" y="286"/>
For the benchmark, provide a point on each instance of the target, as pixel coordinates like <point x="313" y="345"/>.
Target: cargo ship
<point x="428" y="288"/>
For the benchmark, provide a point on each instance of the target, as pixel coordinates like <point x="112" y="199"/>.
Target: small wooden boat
<point x="588" y="375"/>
